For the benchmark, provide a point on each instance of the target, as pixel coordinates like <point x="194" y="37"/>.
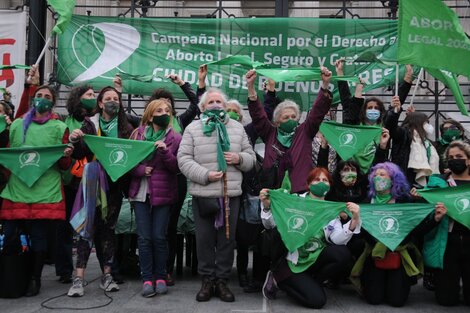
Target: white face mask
<point x="429" y="129"/>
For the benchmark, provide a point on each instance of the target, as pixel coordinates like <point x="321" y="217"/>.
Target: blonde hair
<point x="147" y="117"/>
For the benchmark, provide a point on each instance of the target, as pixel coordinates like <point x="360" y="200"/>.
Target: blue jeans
<point x="152" y="224"/>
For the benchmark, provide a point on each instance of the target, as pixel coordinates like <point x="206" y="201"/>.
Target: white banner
<point x="12" y="51"/>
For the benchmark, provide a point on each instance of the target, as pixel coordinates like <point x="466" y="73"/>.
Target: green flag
<point x="29" y="163"/>
<point x="3" y="123"/>
<point x="118" y="156"/>
<point x="244" y="60"/>
<point x="430" y="35"/>
<point x="349" y="140"/>
<point x="14" y="67"/>
<point x="451" y="81"/>
<point x="391" y="223"/>
<point x="299" y="219"/>
<point x="299" y="75"/>
<point x="456" y="200"/>
<point x="139" y="78"/>
<point x="65" y="10"/>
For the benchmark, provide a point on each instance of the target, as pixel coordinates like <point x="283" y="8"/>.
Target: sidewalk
<point x="181" y="299"/>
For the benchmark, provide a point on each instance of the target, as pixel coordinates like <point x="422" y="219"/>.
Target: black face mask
<point x="457" y="166"/>
<point x="161" y="120"/>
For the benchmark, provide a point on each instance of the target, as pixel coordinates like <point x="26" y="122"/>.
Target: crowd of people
<point x="208" y="152"/>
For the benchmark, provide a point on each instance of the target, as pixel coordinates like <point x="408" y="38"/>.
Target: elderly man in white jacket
<point x="210" y="147"/>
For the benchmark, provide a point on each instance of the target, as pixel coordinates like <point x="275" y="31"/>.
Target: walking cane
<point x="227" y="209"/>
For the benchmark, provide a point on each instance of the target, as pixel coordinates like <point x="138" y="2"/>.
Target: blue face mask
<point x="372" y="115"/>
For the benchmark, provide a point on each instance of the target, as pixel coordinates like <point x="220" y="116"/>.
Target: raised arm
<point x="258" y="115"/>
<point x="192" y="111"/>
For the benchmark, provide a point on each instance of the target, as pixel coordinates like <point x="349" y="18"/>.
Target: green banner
<point x="349" y="140"/>
<point x="456" y="200"/>
<point x="431" y="36"/>
<point x="118" y="156"/>
<point x="301" y="219"/>
<point x="29" y="163"/>
<point x="93" y="49"/>
<point x="14" y="67"/>
<point x="391" y="223"/>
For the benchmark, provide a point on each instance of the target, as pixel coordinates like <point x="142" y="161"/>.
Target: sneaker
<point x="77" y="289"/>
<point x="270" y="288"/>
<point x="148" y="290"/>
<point x="108" y="284"/>
<point x="160" y="287"/>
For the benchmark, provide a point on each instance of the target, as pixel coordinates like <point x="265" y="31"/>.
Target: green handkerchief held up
<point x="118" y="156"/>
<point x="456" y="200"/>
<point x="30" y="163"/>
<point x="391" y="223"/>
<point x="349" y="140"/>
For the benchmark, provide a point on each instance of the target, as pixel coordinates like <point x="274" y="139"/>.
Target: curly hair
<point x="362" y="113"/>
<point x="73" y="102"/>
<point x="163" y="93"/>
<point x="123" y="124"/>
<point x="400" y="187"/>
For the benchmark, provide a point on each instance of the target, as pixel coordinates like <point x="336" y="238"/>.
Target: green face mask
<point x="320" y="189"/>
<point x="288" y="126"/>
<point x="42" y="105"/>
<point x="88" y="104"/>
<point x="234" y="115"/>
<point x="451" y="135"/>
<point x="382" y="183"/>
<point x="348" y="177"/>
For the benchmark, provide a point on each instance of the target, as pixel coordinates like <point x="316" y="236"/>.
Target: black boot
<point x="206" y="291"/>
<point x="223" y="292"/>
<point x="33" y="287"/>
<point x="35" y="283"/>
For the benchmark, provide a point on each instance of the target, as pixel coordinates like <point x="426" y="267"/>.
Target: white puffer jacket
<point x="197" y="155"/>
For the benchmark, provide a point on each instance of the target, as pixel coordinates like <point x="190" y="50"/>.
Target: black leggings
<point x="333" y="263"/>
<point x="390" y="286"/>
<point x="456" y="266"/>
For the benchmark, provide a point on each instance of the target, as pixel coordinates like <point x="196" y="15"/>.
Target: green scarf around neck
<point x="284" y="138"/>
<point x="152" y="135"/>
<point x="214" y="120"/>
<point x="382" y="199"/>
<point x="109" y="128"/>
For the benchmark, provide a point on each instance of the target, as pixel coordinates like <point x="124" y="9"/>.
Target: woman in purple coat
<point x="153" y="190"/>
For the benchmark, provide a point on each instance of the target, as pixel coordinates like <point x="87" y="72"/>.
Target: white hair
<point x="204" y="96"/>
<point x="286" y="104"/>
<point x="235" y="103"/>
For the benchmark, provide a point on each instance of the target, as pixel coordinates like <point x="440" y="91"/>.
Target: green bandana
<point x="42" y="105"/>
<point x="3" y="123"/>
<point x="152" y="135"/>
<point x="109" y="129"/>
<point x="30" y="163"/>
<point x="72" y="123"/>
<point x="353" y="141"/>
<point x="214" y="120"/>
<point x="286" y="132"/>
<point x="456" y="200"/>
<point x="118" y="156"/>
<point x="175" y="125"/>
<point x="382" y="199"/>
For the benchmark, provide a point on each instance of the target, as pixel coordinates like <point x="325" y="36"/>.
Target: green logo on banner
<point x="462" y="205"/>
<point x="347" y="139"/>
<point x="297" y="223"/>
<point x="389" y="225"/>
<point x="29" y="158"/>
<point x="118" y="157"/>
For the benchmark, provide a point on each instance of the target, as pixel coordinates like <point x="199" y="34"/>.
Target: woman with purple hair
<point x="387" y="185"/>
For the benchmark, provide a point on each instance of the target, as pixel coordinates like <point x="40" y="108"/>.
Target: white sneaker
<point x="108" y="284"/>
<point x="77" y="289"/>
